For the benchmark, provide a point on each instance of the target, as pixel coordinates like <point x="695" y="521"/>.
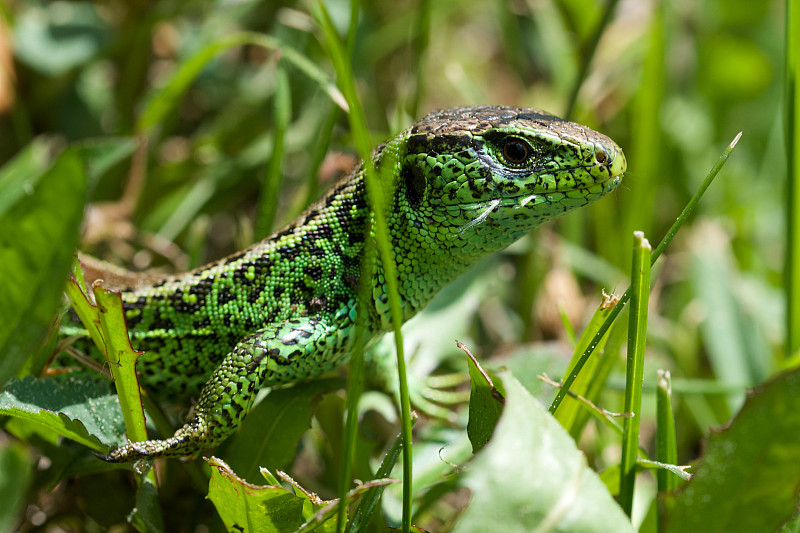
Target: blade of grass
<point x="167" y="97"/>
<point x="673" y="230"/>
<point x="589" y="50"/>
<point x="320" y="150"/>
<point x="609" y="356"/>
<point x="105" y="322"/>
<point x="361" y="518"/>
<point x="568" y="414"/>
<point x="376" y="198"/>
<point x="646" y="126"/>
<point x="423" y="28"/>
<point x="273" y="176"/>
<point x="355" y="381"/>
<point x="356" y="373"/>
<point x="527" y="294"/>
<point x="792" y="96"/>
<point x="666" y="446"/>
<point x="323" y="140"/>
<point x="637" y="333"/>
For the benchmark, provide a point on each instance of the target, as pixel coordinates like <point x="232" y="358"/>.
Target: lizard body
<point x="459" y="184"/>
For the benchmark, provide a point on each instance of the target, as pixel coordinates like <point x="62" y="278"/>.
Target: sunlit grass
<point x="245" y="125"/>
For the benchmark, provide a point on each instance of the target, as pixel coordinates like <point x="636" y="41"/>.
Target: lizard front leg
<point x="292" y="351"/>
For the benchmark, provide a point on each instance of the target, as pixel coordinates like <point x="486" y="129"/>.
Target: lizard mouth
<point x="569" y="198"/>
<point x="518" y="201"/>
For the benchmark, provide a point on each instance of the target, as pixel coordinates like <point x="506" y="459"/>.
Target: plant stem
<point x="637" y="334"/>
<point x="562" y="392"/>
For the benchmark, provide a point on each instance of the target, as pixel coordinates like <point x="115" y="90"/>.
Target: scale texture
<point x="459" y="184"/>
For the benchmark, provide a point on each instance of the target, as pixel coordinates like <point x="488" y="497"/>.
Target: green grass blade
<point x="568" y="414"/>
<point x="637" y="333"/>
<point x="361" y="517"/>
<point x="666" y="445"/>
<point x="320" y="150"/>
<point x="167" y="98"/>
<point x="608" y="359"/>
<point x="423" y="29"/>
<point x="694" y="200"/>
<point x="590" y="48"/>
<point x="273" y="176"/>
<point x="793" y="176"/>
<point x="673" y="230"/>
<point x="323" y="141"/>
<point x="646" y="125"/>
<point x="376" y="197"/>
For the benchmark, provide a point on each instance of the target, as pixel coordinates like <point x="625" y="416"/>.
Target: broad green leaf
<point x="249" y="508"/>
<point x="245" y="507"/>
<point x="272" y="429"/>
<point x="748" y="478"/>
<point x="485" y="404"/>
<point x="15" y="475"/>
<point x="38" y="235"/>
<point x="81" y="409"/>
<point x="532" y="477"/>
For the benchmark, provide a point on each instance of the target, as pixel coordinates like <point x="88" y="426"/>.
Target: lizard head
<point x="481" y="177"/>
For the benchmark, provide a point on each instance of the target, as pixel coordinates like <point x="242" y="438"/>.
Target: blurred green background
<point x="671" y="82"/>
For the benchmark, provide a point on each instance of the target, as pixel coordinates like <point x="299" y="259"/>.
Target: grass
<point x="640" y="299"/>
<point x="244" y="112"/>
<point x="792" y="99"/>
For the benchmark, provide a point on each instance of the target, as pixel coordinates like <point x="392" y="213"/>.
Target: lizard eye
<point x="516" y="151"/>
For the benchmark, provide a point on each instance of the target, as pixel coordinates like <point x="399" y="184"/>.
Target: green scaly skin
<point x="460" y="184"/>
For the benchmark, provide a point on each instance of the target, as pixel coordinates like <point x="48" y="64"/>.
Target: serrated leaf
<point x="485" y="404"/>
<point x="748" y="478"/>
<point x="272" y="429"/>
<point x="80" y="409"/>
<point x="38" y="235"/>
<point x="532" y="477"/>
<point x="245" y="507"/>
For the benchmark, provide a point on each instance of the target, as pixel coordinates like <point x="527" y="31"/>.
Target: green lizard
<point x="464" y="183"/>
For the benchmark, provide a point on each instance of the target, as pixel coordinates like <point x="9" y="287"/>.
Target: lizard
<point x="460" y="183"/>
